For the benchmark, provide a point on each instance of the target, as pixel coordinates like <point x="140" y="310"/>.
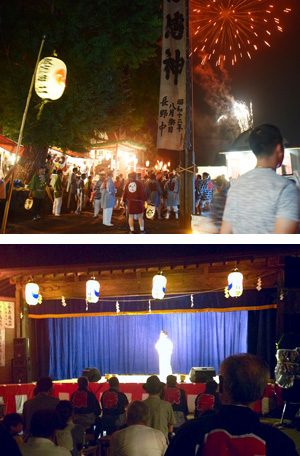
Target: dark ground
<point x="86" y="224"/>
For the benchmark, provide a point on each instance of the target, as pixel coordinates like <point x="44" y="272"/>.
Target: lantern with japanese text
<point x="32" y="294"/>
<point x="235" y="284"/>
<point x="159" y="283"/>
<point x="92" y="291"/>
<point x="50" y="81"/>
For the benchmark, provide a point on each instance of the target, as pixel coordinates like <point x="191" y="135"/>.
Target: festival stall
<point x="240" y="159"/>
<point x="8" y="150"/>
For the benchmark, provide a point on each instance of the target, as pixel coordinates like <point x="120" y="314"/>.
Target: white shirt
<point x="38" y="446"/>
<point x="138" y="440"/>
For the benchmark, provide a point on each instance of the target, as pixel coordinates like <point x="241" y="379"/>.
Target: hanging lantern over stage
<point x="50" y="81"/>
<point x="32" y="294"/>
<point x="92" y="291"/>
<point x="159" y="286"/>
<point x="235" y="284"/>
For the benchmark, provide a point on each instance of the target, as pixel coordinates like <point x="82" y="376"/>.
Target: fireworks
<point x="226" y="30"/>
<point x="241" y="112"/>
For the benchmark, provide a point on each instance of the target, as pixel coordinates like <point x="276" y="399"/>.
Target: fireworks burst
<point x="226" y="30"/>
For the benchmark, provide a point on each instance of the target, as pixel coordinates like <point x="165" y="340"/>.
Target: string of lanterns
<point x="233" y="289"/>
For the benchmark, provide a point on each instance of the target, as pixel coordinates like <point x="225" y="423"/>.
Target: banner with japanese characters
<point x="172" y="100"/>
<point x="7" y="320"/>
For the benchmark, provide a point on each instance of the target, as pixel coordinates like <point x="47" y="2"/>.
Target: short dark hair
<point x="44" y="423"/>
<point x="44" y="384"/>
<point x="264" y="139"/>
<point x="64" y="410"/>
<point x="245" y="377"/>
<point x="12" y="419"/>
<point x="137" y="412"/>
<point x="83" y="382"/>
<point x="113" y="382"/>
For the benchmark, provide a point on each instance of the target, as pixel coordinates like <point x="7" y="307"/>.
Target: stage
<point x="14" y="395"/>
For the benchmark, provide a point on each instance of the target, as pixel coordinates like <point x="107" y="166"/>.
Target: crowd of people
<point x="104" y="193"/>
<point x="224" y="423"/>
<point x="259" y="201"/>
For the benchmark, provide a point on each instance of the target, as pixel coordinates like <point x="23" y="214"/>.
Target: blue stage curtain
<point x="125" y="344"/>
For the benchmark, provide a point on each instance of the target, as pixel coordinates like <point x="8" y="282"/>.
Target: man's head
<point x="205" y="176"/>
<point x="45" y="385"/>
<point x="42" y="169"/>
<point x="44" y="423"/>
<point x="153" y="385"/>
<point x="171" y="381"/>
<point x="137" y="413"/>
<point x="265" y="141"/>
<point x="243" y="379"/>
<point x="59" y="172"/>
<point x="75" y="170"/>
<point x="113" y="382"/>
<point x="83" y="382"/>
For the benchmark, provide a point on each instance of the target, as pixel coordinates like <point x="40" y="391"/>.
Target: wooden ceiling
<point x="190" y="273"/>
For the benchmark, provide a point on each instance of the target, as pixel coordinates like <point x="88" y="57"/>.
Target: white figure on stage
<point x="164" y="347"/>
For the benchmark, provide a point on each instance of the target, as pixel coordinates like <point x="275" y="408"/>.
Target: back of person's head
<point x="171" y="381"/>
<point x="75" y="170"/>
<point x="12" y="420"/>
<point x="44" y="423"/>
<point x="264" y="139"/>
<point x="113" y="382"/>
<point x="64" y="410"/>
<point x="137" y="412"/>
<point x="44" y="384"/>
<point x="83" y="382"/>
<point x="211" y="387"/>
<point x="244" y="378"/>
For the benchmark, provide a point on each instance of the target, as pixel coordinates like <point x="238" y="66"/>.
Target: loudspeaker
<point x="21" y="370"/>
<point x="21" y="347"/>
<point x="202" y="374"/>
<point x="291" y="272"/>
<point x="92" y="374"/>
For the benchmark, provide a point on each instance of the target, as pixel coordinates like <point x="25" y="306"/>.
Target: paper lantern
<point x="32" y="294"/>
<point x="235" y="284"/>
<point x="159" y="286"/>
<point x="92" y="291"/>
<point x="50" y="81"/>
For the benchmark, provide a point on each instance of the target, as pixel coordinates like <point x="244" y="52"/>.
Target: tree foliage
<point x="111" y="52"/>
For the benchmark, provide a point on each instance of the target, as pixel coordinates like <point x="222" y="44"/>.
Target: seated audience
<point x="68" y="434"/>
<point x="9" y="446"/>
<point x="161" y="413"/>
<point x="208" y="401"/>
<point x="42" y="401"/>
<point x="14" y="424"/>
<point x="138" y="439"/>
<point x="177" y="398"/>
<point x="236" y="428"/>
<point x="42" y="435"/>
<point x="114" y="404"/>
<point x="86" y="408"/>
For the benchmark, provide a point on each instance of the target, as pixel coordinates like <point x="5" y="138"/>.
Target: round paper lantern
<point x="32" y="294"/>
<point x="92" y="291"/>
<point x="159" y="286"/>
<point x="50" y="80"/>
<point x="235" y="284"/>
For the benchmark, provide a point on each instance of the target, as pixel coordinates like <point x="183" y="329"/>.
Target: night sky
<point x="271" y="79"/>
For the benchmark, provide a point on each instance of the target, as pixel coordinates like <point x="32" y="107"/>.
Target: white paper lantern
<point x="159" y="286"/>
<point x="235" y="284"/>
<point x="92" y="291"/>
<point x="50" y="81"/>
<point x="32" y="294"/>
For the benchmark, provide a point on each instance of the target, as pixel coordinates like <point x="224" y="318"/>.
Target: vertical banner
<point x="172" y="100"/>
<point x="9" y="312"/>
<point x="2" y="334"/>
